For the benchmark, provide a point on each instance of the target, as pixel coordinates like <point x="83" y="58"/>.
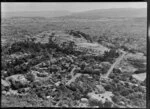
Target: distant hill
<point x="110" y="13"/>
<point x="36" y="14"/>
<point x="92" y="14"/>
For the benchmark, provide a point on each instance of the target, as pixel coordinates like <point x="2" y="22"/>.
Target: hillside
<point x="109" y="13"/>
<point x="92" y="59"/>
<point x="48" y="14"/>
<point x="50" y="70"/>
<point x="128" y="33"/>
<point x="92" y="14"/>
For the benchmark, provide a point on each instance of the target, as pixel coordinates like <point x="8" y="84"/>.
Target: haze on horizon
<point x="69" y="6"/>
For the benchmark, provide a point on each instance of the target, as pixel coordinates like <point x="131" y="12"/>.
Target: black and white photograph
<point x="74" y="54"/>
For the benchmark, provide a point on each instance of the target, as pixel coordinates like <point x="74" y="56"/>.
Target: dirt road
<point x="114" y="65"/>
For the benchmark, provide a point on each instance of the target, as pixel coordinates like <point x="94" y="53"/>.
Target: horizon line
<point x="77" y="11"/>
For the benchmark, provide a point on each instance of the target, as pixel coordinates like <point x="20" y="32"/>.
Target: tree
<point x="68" y="47"/>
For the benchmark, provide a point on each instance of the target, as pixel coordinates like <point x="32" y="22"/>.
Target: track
<point x="114" y="65"/>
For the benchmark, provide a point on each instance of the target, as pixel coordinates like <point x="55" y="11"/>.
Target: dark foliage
<point x="110" y="55"/>
<point x="80" y="34"/>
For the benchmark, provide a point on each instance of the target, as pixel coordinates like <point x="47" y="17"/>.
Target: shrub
<point x="80" y="34"/>
<point x="116" y="80"/>
<point x="125" y="92"/>
<point x="116" y="99"/>
<point x="30" y="77"/>
<point x="108" y="87"/>
<point x="112" y="53"/>
<point x="68" y="47"/>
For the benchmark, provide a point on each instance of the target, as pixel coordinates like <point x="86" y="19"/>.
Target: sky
<point x="73" y="7"/>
